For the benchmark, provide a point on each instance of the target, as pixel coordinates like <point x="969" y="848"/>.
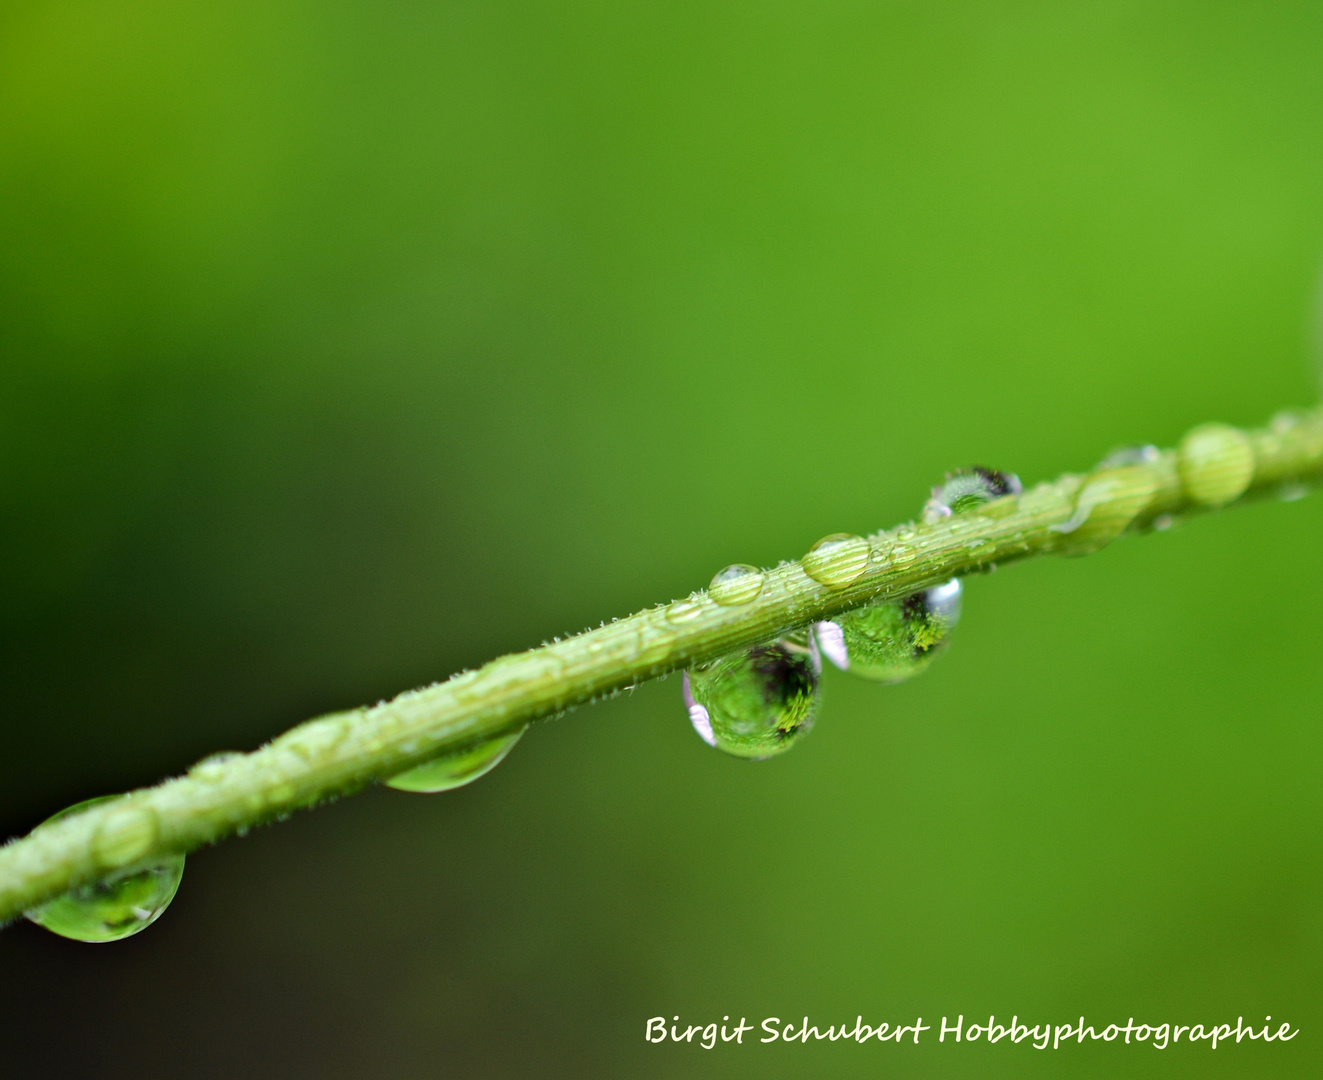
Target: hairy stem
<point x="338" y="754"/>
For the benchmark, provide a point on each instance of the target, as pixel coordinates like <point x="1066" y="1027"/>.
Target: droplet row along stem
<point x="339" y="754"/>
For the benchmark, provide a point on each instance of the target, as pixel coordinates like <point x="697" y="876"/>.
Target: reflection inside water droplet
<point x="698" y="715"/>
<point x="456" y="769"/>
<point x="754" y="703"/>
<point x="737" y="584"/>
<point x="118" y="906"/>
<point x="893" y="640"/>
<point x="968" y="489"/>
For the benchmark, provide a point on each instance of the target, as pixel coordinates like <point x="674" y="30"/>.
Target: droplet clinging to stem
<point x="754" y="703"/>
<point x="124" y="903"/>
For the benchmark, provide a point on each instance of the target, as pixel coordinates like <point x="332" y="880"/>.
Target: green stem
<point x="341" y="753"/>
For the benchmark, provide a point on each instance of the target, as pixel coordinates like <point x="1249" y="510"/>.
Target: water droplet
<point x="1292" y="492"/>
<point x="213" y="768"/>
<point x="755" y="703"/>
<point x="1131" y="455"/>
<point x="314" y="740"/>
<point x="968" y="489"/>
<point x="683" y="611"/>
<point x="1216" y="464"/>
<point x="837" y="560"/>
<point x="1107" y="503"/>
<point x="1287" y="421"/>
<point x="736" y="584"/>
<point x="118" y="905"/>
<point x="456" y="769"/>
<point x="895" y="639"/>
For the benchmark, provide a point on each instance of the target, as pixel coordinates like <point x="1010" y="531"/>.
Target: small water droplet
<point x="968" y="489"/>
<point x="1287" y="421"/>
<point x="1292" y="492"/>
<point x="315" y="739"/>
<point x="902" y="556"/>
<point x="737" y="584"/>
<point x="893" y="640"/>
<point x="754" y="703"/>
<point x="213" y="767"/>
<point x="1216" y="464"/>
<point x="683" y="611"/>
<point x="117" y="906"/>
<point x="837" y="560"/>
<point x="1131" y="455"/>
<point x="456" y="769"/>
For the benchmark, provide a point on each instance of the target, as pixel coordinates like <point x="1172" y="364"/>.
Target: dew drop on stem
<point x="893" y="640"/>
<point x="757" y="702"/>
<point x="737" y="584"/>
<point x="117" y="906"/>
<point x="837" y="560"/>
<point x="968" y="489"/>
<point x="457" y="768"/>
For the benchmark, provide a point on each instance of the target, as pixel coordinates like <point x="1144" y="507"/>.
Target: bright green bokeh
<point x="346" y="346"/>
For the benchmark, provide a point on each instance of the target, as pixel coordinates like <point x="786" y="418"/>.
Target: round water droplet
<point x="755" y="703"/>
<point x="1131" y="455"/>
<point x="117" y="906"/>
<point x="1287" y="421"/>
<point x="968" y="489"/>
<point x="837" y="560"/>
<point x="456" y="769"/>
<point x="214" y="767"/>
<point x="893" y="640"/>
<point x="1216" y="464"/>
<point x="736" y="584"/>
<point x="683" y="611"/>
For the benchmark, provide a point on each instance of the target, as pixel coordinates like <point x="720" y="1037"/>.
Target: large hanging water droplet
<point x="837" y="560"/>
<point x="968" y="489"/>
<point x="456" y="769"/>
<point x="755" y="703"/>
<point x="895" y="639"/>
<point x="117" y="906"/>
<point x="736" y="584"/>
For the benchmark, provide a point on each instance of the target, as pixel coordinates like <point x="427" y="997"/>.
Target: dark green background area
<point x="343" y="346"/>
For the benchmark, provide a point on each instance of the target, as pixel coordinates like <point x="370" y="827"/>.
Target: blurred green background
<point x="343" y="346"/>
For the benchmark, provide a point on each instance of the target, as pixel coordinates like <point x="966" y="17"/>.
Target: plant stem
<point x="341" y="753"/>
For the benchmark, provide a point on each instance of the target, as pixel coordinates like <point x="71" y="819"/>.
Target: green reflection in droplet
<point x="117" y="906"/>
<point x="755" y="703"/>
<point x="456" y="769"/>
<point x="893" y="640"/>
